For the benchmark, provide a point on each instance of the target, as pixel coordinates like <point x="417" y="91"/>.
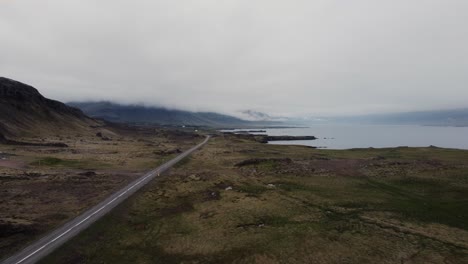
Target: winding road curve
<point x="58" y="237"/>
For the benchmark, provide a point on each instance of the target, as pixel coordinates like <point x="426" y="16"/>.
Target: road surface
<point x="58" y="237"/>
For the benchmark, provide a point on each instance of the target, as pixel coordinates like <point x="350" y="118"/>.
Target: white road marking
<point x="150" y="174"/>
<point x="84" y="220"/>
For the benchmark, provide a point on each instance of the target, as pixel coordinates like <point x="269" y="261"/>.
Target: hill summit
<point x="24" y="111"/>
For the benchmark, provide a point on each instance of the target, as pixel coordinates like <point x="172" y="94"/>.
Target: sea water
<point x="376" y="136"/>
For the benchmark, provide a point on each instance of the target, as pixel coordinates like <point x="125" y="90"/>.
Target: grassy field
<point x="42" y="187"/>
<point x="238" y="201"/>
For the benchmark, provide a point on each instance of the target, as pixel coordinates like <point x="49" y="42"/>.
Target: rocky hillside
<point x="25" y="112"/>
<point x="158" y="115"/>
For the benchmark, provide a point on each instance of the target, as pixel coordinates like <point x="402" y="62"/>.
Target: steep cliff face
<point x="24" y="111"/>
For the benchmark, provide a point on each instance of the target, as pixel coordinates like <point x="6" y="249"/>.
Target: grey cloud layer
<point x="282" y="57"/>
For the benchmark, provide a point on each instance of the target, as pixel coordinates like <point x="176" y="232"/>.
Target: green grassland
<point x="42" y="187"/>
<point x="238" y="201"/>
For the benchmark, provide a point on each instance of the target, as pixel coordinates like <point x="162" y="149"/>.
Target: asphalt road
<point x="58" y="237"/>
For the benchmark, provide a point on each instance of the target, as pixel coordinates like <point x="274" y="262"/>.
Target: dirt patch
<point x="302" y="167"/>
<point x="9" y="229"/>
<point x="46" y="184"/>
<point x="13" y="164"/>
<point x="183" y="207"/>
<point x="338" y="166"/>
<point x="259" y="161"/>
<point x="211" y="195"/>
<point x="322" y="206"/>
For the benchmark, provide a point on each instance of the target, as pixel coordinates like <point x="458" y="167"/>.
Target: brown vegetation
<point x="43" y="185"/>
<point x="290" y="204"/>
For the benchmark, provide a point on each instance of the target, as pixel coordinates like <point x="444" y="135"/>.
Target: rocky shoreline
<point x="250" y="131"/>
<point x="266" y="139"/>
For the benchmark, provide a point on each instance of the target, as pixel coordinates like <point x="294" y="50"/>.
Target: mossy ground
<point x="402" y="205"/>
<point x="43" y="187"/>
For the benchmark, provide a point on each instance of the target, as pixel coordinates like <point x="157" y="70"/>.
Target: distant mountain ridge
<point x="158" y="115"/>
<point x="24" y="111"/>
<point x="451" y="117"/>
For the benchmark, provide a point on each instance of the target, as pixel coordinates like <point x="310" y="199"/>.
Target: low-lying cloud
<point x="281" y="57"/>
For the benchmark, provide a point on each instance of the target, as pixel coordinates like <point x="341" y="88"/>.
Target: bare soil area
<point x="239" y="201"/>
<point x="44" y="186"/>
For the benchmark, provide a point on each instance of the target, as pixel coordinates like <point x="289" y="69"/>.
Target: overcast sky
<point x="313" y="57"/>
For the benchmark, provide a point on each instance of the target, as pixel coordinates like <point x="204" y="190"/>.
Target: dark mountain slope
<point x="158" y="115"/>
<point x="24" y="111"/>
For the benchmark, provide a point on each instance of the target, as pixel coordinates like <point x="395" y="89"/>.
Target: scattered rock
<point x="250" y="225"/>
<point x="211" y="195"/>
<point x="207" y="214"/>
<point x="194" y="177"/>
<point x="223" y="185"/>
